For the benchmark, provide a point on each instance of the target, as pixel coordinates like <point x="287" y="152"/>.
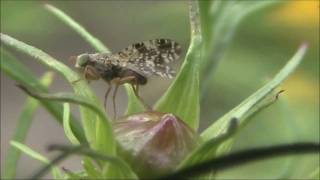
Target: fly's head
<point x="82" y="60"/>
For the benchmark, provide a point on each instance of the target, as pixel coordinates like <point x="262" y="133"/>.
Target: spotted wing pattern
<point x="150" y="57"/>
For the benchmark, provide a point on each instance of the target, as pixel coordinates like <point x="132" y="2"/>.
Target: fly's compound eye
<point x="82" y="60"/>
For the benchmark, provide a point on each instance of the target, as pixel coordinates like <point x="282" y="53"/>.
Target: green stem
<point x="244" y="157"/>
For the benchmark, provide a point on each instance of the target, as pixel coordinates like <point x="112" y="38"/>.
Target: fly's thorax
<point x="101" y="58"/>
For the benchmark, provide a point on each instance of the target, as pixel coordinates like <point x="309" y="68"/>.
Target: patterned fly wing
<point x="150" y="57"/>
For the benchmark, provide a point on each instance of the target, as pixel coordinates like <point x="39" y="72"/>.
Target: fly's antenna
<point x="72" y="59"/>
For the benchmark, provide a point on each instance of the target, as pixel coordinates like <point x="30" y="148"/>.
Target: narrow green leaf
<point x="54" y="170"/>
<point x="12" y="156"/>
<point x="24" y="122"/>
<point x="66" y="125"/>
<point x="253" y="104"/>
<point x="249" y="106"/>
<point x="102" y="132"/>
<point x="134" y="105"/>
<point x="68" y="97"/>
<point x="208" y="149"/>
<point x="90" y="169"/>
<point x="96" y="43"/>
<point x="81" y="88"/>
<point x="72" y="175"/>
<point x="18" y="72"/>
<point x="119" y="165"/>
<point x="218" y="137"/>
<point x="220" y="20"/>
<point x="114" y="172"/>
<point x="222" y="144"/>
<point x="182" y="97"/>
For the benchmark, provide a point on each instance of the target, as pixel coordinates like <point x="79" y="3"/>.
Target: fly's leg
<point x="106" y="96"/>
<point x="117" y="81"/>
<point x="89" y="73"/>
<point x="114" y="101"/>
<point x="135" y="87"/>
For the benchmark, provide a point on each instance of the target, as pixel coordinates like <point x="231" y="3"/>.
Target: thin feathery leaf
<point x="82" y="150"/>
<point x="66" y="125"/>
<point x="81" y="88"/>
<point x="19" y="73"/>
<point x="24" y="122"/>
<point x="54" y="170"/>
<point x="245" y="109"/>
<point x="217" y="138"/>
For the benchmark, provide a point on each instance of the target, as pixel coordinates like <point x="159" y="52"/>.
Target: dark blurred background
<point x="262" y="44"/>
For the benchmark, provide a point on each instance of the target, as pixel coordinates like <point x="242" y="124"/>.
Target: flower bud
<point x="153" y="142"/>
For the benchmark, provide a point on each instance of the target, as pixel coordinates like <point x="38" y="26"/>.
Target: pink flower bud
<point x="153" y="142"/>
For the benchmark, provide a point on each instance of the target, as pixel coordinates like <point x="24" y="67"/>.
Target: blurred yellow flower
<point x="301" y="89"/>
<point x="297" y="13"/>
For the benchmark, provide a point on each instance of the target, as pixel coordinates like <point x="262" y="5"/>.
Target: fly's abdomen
<point x="140" y="79"/>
